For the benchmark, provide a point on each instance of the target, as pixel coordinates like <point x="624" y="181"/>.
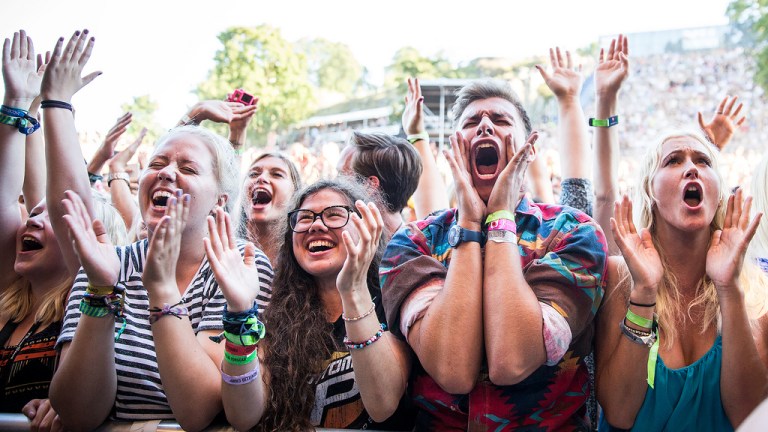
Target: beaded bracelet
<point x="240" y="379"/>
<point x="359" y="317"/>
<point x="239" y="360"/>
<point x="178" y="310"/>
<point x="355" y="345"/>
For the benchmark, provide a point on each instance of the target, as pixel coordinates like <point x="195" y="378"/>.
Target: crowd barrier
<point x="19" y="423"/>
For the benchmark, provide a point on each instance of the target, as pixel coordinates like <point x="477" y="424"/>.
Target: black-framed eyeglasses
<point x="332" y="217"/>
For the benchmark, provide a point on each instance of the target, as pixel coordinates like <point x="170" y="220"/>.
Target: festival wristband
<point x="503" y="225"/>
<point x="500" y="214"/>
<point x="240" y="379"/>
<point x="639" y="320"/>
<point x="239" y="360"/>
<point x="418" y="137"/>
<point x="239" y="350"/>
<point x="610" y="121"/>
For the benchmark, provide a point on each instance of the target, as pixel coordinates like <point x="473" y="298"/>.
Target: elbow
<point x="455" y="380"/>
<point x="196" y="423"/>
<point x="380" y="412"/>
<point x="507" y="371"/>
<point x="617" y="420"/>
<point x="241" y="423"/>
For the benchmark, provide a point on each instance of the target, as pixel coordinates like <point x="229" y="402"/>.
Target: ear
<point x="374" y="181"/>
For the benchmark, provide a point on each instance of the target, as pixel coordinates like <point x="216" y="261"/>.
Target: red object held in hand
<point x="240" y="95"/>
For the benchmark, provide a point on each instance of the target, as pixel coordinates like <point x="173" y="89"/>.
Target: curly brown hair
<point x="299" y="337"/>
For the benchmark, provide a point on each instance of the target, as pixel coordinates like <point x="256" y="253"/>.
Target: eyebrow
<point x="493" y="114"/>
<point x="695" y="152"/>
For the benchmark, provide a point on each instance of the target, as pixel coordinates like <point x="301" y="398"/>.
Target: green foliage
<point x="750" y="19"/>
<point x="144" y="113"/>
<point x="332" y="66"/>
<point x="260" y="61"/>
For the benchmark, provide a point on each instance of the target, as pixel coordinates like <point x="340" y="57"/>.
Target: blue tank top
<point x="685" y="399"/>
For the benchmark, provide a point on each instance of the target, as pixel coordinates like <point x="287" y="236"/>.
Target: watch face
<point x="454" y="236"/>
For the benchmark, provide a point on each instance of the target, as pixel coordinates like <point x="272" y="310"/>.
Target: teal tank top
<point x="685" y="399"/>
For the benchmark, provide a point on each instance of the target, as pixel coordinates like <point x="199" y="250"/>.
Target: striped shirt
<point x="140" y="394"/>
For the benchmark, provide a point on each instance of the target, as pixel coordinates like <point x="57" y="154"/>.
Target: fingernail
<point x="77" y="32"/>
<point x="187" y="198"/>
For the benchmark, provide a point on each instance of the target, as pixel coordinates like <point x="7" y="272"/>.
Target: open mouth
<point x="486" y="159"/>
<point x="692" y="196"/>
<point x="30" y="244"/>
<point x="160" y="198"/>
<point x="261" y="197"/>
<point x="320" y="246"/>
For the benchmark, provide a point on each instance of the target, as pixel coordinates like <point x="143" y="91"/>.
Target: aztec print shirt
<point x="563" y="254"/>
<point x="140" y="394"/>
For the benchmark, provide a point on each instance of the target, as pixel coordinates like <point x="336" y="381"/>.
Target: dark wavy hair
<point x="299" y="337"/>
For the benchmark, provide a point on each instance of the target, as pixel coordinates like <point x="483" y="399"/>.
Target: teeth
<point x="159" y="194"/>
<point x="29" y="238"/>
<point x="482" y="146"/>
<point x="320" y="243"/>
<point x="692" y="189"/>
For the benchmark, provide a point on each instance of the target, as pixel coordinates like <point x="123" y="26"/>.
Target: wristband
<point x="503" y="225"/>
<point x="610" y="121"/>
<point x="118" y="176"/>
<point x="239" y="350"/>
<point x="646" y="305"/>
<point x="639" y="320"/>
<point x="500" y="214"/>
<point x="418" y="137"/>
<point x="239" y="360"/>
<point x="56" y="104"/>
<point x="502" y="236"/>
<point x="18" y="118"/>
<point x="359" y="317"/>
<point x="240" y="379"/>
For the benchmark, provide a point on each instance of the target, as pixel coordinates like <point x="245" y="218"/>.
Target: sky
<point x="164" y="48"/>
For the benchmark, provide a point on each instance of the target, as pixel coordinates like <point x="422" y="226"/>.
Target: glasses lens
<point x="335" y="217"/>
<point x="301" y="220"/>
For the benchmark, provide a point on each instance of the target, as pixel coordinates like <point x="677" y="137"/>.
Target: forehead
<point x="269" y="163"/>
<point x="683" y="144"/>
<point x="185" y="146"/>
<point x="324" y="198"/>
<point x="495" y="106"/>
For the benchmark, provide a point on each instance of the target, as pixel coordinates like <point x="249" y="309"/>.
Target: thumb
<point x="30" y="409"/>
<point x="716" y="237"/>
<point x="90" y="77"/>
<point x="701" y="120"/>
<point x="101" y="232"/>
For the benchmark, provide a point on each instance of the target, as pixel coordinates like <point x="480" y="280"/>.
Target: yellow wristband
<point x="501" y="214"/>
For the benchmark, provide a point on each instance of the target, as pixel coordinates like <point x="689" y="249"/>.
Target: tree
<point x="260" y="61"/>
<point x="332" y="66"/>
<point x="750" y="18"/>
<point x="408" y="62"/>
<point x="144" y="111"/>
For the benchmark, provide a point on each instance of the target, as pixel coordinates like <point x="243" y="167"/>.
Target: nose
<point x="318" y="226"/>
<point x="262" y="178"/>
<point x="35" y="222"/>
<point x="167" y="173"/>
<point x="691" y="171"/>
<point x="485" y="127"/>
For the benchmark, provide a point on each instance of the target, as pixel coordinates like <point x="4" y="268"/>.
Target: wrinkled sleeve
<point x="408" y="263"/>
<point x="569" y="276"/>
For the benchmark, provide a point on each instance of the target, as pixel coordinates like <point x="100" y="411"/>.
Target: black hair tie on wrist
<point x="55" y="104"/>
<point x="648" y="305"/>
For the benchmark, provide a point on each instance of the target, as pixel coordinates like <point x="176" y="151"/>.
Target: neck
<point x="392" y="221"/>
<point x="686" y="255"/>
<point x="42" y="283"/>
<point x="330" y="297"/>
<point x="261" y="234"/>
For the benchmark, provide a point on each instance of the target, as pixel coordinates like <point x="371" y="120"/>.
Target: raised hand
<point x="63" y="76"/>
<point x="242" y="115"/>
<point x="507" y="190"/>
<point x="471" y="206"/>
<point x="107" y="148"/>
<point x="22" y="83"/>
<point x="236" y="275"/>
<point x="723" y="124"/>
<point x="91" y="243"/>
<point x="121" y="159"/>
<point x="725" y="256"/>
<point x="359" y="256"/>
<point x="565" y="80"/>
<point x="413" y="117"/>
<point x="639" y="253"/>
<point x="219" y="111"/>
<point x="160" y="268"/>
<point x="613" y="67"/>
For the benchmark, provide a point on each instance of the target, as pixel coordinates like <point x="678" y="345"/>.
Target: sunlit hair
<point x="669" y="302"/>
<point x="243" y="229"/>
<point x="485" y="89"/>
<point x="109" y="216"/>
<point x="299" y="337"/>
<point x="225" y="167"/>
<point x="759" y="245"/>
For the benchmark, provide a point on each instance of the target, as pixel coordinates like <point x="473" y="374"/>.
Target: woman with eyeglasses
<point x="325" y="316"/>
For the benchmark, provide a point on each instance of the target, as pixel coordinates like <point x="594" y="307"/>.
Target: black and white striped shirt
<point x="140" y="394"/>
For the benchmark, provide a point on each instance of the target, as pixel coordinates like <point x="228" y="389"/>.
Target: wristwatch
<point x="458" y="235"/>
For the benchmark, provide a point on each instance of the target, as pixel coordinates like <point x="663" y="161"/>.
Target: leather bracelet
<point x="56" y="104"/>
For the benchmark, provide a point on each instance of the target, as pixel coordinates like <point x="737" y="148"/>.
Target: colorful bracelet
<point x="500" y="214"/>
<point x="101" y="306"/>
<point x="639" y="320"/>
<point x="178" y="310"/>
<point x="18" y="118"/>
<point x="242" y="339"/>
<point x="99" y="290"/>
<point x="239" y="360"/>
<point x="358" y="318"/>
<point x="238" y="350"/>
<point x="240" y="379"/>
<point x="647" y="340"/>
<point x="610" y="121"/>
<point x="360" y="345"/>
<point x="503" y="225"/>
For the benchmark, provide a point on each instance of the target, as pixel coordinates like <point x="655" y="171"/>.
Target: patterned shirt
<point x="563" y="256"/>
<point x="140" y="394"/>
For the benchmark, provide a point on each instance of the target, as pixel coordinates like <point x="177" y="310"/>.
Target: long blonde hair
<point x="17" y="302"/>
<point x="670" y="306"/>
<point x="759" y="245"/>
